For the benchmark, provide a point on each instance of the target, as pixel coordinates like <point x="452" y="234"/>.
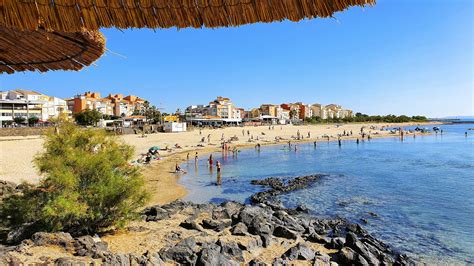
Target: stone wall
<point x="23" y="131"/>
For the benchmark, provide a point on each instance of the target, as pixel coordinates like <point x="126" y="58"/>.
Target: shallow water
<point x="421" y="190"/>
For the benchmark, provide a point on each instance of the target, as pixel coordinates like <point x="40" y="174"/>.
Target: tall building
<point x="27" y="104"/>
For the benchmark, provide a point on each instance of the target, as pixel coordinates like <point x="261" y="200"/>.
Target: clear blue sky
<point x="401" y="57"/>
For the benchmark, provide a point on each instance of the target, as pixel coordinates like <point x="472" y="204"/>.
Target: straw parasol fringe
<point x="43" y="51"/>
<point x="74" y="15"/>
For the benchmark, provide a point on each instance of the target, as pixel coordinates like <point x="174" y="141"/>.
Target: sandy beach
<point x="17" y="153"/>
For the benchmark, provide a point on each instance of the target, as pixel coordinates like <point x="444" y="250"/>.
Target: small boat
<point x="436" y="129"/>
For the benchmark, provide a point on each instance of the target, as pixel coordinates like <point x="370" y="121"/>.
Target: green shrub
<point x="33" y="120"/>
<point x="88" y="117"/>
<point x="88" y="185"/>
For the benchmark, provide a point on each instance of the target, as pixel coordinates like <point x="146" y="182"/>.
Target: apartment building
<point x="27" y="104"/>
<point x="113" y="104"/>
<point x="221" y="111"/>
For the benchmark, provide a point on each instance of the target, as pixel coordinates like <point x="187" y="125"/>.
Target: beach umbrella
<point x="76" y="16"/>
<point x="43" y="51"/>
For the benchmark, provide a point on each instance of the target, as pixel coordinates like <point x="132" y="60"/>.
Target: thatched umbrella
<point x="43" y="51"/>
<point x="76" y="15"/>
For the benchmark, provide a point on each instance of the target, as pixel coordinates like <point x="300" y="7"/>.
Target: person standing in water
<point x="339" y="141"/>
<point x="187" y="156"/>
<point x="196" y="157"/>
<point x="218" y="166"/>
<point x="219" y="174"/>
<point x="315" y="144"/>
<point x="210" y="161"/>
<point x="357" y="141"/>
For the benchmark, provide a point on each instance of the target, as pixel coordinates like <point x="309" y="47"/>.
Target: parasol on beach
<point x="32" y="18"/>
<point x="43" y="51"/>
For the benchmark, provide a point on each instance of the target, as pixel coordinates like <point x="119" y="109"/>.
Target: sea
<point x="417" y="195"/>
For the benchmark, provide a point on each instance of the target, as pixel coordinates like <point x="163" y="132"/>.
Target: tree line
<point x="92" y="117"/>
<point x="359" y="117"/>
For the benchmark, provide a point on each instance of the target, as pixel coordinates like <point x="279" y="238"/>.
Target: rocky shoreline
<point x="264" y="233"/>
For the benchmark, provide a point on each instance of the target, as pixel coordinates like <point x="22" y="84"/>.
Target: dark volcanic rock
<point x="299" y="252"/>
<point x="184" y="252"/>
<point x="153" y="259"/>
<point x="217" y="225"/>
<point x="231" y="249"/>
<point x="322" y="260"/>
<point x="213" y="254"/>
<point x="261" y="223"/>
<point x="239" y="229"/>
<point x="256" y="262"/>
<point x="86" y="246"/>
<point x="69" y="262"/>
<point x="266" y="240"/>
<point x="191" y="224"/>
<point x="284" y="232"/>
<point x="156" y="213"/>
<point x="279" y="186"/>
<point x="64" y="240"/>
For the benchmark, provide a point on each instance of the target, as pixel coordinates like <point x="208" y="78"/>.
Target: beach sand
<point x="17" y="153"/>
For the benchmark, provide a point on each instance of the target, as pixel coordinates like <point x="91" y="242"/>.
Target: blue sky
<point x="400" y="57"/>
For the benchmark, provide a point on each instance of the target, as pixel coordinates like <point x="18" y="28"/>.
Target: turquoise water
<point x="421" y="190"/>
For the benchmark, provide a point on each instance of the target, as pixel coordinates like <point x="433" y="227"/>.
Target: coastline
<point x="162" y="182"/>
<point x="169" y="189"/>
<point x="169" y="224"/>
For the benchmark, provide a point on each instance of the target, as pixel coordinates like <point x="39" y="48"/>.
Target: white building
<point x="27" y="104"/>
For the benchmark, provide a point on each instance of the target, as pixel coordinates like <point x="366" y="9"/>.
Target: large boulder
<point x="240" y="229"/>
<point x="88" y="246"/>
<point x="184" y="252"/>
<point x="216" y="225"/>
<point x="213" y="254"/>
<point x="281" y="231"/>
<point x="61" y="239"/>
<point x="156" y="213"/>
<point x="299" y="252"/>
<point x="354" y="243"/>
<point x="231" y="249"/>
<point x="191" y="224"/>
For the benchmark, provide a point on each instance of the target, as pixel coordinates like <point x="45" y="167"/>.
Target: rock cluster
<point x="280" y="186"/>
<point x="263" y="226"/>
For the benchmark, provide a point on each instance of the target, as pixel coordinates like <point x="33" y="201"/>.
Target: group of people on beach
<point x="226" y="147"/>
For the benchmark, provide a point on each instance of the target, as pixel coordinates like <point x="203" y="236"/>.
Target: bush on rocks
<point x="88" y="185"/>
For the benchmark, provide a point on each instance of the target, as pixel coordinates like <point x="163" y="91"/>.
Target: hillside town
<point x="20" y="106"/>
